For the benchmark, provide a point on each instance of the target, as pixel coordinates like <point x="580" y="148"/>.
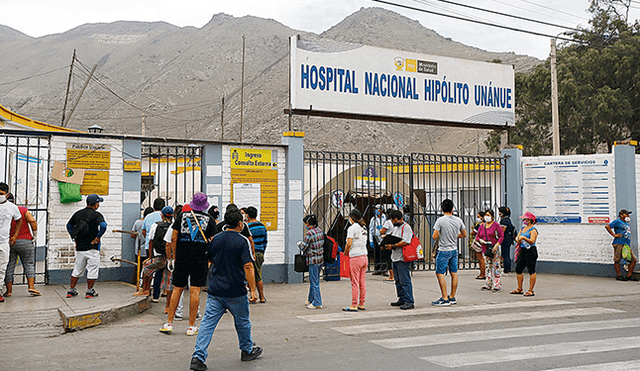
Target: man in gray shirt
<point x="448" y="229"/>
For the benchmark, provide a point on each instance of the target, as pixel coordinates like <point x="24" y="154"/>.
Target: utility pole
<point x="66" y="96"/>
<point x="80" y="95"/>
<point x="242" y="89"/>
<point x="144" y="128"/>
<point x="554" y="101"/>
<point x="222" y="120"/>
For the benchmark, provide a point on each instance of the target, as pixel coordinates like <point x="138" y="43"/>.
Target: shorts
<point x="527" y="258"/>
<point x="90" y="260"/>
<point x="193" y="273"/>
<point x="166" y="280"/>
<point x="152" y="265"/>
<point x="446" y="259"/>
<point x="617" y="254"/>
<point x="257" y="265"/>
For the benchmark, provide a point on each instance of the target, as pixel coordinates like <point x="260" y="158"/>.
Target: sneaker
<point x="90" y="294"/>
<point x="441" y="303"/>
<point x="192" y="330"/>
<point x="1" y="299"/>
<point x="167" y="328"/>
<point x="453" y="301"/>
<point x="154" y="300"/>
<point x="397" y="304"/>
<point x="177" y="317"/>
<point x="71" y="293"/>
<point x="311" y="306"/>
<point x="631" y="278"/>
<point x="197" y="364"/>
<point x="621" y="278"/>
<point x="255" y="353"/>
<point x="307" y="303"/>
<point x="406" y="306"/>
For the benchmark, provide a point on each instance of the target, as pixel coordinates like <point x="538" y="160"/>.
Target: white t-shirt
<point x="359" y="244"/>
<point x="8" y="212"/>
<point x="403" y="231"/>
<point x="388" y="225"/>
<point x="448" y="227"/>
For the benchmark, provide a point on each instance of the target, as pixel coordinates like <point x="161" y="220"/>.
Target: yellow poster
<point x="132" y="165"/>
<point x="249" y="158"/>
<point x="255" y="180"/>
<point x="95" y="182"/>
<point x="89" y="156"/>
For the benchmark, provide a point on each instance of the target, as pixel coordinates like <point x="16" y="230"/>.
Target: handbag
<point x="300" y="263"/>
<point x="626" y="252"/>
<point x="413" y="251"/>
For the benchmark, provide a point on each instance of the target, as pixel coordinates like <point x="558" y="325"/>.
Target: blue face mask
<point x="377" y="213"/>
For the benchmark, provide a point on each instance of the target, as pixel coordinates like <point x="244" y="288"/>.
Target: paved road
<point x="571" y="324"/>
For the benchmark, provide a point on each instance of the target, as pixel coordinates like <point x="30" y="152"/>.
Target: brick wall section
<point x="275" y="248"/>
<point x="61" y="253"/>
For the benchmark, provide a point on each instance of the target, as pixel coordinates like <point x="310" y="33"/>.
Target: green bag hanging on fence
<point x="626" y="252"/>
<point x="69" y="192"/>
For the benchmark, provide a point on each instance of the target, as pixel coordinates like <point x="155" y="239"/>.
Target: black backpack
<point x="158" y="239"/>
<point x="330" y="250"/>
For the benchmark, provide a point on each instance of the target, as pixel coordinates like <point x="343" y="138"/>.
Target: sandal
<point x="517" y="292"/>
<point x="389" y="279"/>
<point x="481" y="278"/>
<point x="529" y="293"/>
<point x="7" y="294"/>
<point x="34" y="292"/>
<point x="350" y="309"/>
<point x="361" y="307"/>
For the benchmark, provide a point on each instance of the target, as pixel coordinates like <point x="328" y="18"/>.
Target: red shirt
<point x="25" y="231"/>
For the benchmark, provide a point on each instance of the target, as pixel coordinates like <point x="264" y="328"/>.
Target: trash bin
<point x="332" y="270"/>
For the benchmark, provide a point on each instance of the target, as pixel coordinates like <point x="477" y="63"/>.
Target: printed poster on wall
<point x="254" y="182"/>
<point x="575" y="189"/>
<point x="95" y="157"/>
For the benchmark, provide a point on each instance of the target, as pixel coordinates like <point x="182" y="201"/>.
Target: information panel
<point x="89" y="156"/>
<point x="334" y="78"/>
<point x="569" y="189"/>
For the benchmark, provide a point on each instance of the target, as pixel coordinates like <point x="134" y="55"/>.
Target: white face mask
<point x="627" y="219"/>
<point x="3" y="198"/>
<point x="487" y="219"/>
<point x="478" y="220"/>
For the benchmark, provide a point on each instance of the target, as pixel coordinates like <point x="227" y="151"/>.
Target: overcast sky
<point x="43" y="17"/>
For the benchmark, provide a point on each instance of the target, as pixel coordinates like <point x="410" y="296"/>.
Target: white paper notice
<point x="246" y="194"/>
<point x="131" y="197"/>
<point x="213" y="201"/>
<point x="295" y="189"/>
<point x="214" y="189"/>
<point x="214" y="170"/>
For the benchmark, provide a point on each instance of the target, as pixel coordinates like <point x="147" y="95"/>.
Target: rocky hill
<point x="174" y="79"/>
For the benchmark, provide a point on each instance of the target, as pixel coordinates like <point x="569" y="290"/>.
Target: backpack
<point x="80" y="229"/>
<point x="158" y="239"/>
<point x="330" y="248"/>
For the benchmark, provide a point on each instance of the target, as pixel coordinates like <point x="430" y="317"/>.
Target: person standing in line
<point x="231" y="270"/>
<point x="313" y="247"/>
<point x="141" y="250"/>
<point x="157" y="248"/>
<point x="448" y="229"/>
<point x="356" y="249"/>
<point x="509" y="234"/>
<point x="375" y="225"/>
<point x="260" y="240"/>
<point x="620" y="230"/>
<point x="149" y="220"/>
<point x="490" y="237"/>
<point x="8" y="212"/>
<point x="24" y="247"/>
<point x="86" y="227"/>
<point x="528" y="256"/>
<point x="401" y="269"/>
<point x="475" y="246"/>
<point x="192" y="231"/>
<point x="170" y="250"/>
<point x="387" y="226"/>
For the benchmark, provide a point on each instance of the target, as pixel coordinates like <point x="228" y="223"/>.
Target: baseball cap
<point x="167" y="211"/>
<point x="625" y="211"/>
<point x="93" y="199"/>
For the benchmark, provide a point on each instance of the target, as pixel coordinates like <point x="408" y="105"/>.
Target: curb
<point x="74" y="321"/>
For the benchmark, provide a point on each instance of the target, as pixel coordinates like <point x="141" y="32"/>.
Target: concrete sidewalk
<point x="52" y="313"/>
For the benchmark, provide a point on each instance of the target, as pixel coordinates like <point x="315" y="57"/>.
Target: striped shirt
<point x="259" y="233"/>
<point x="313" y="245"/>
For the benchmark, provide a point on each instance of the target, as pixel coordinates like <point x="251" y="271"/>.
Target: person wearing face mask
<point x="528" y="255"/>
<point x="620" y="230"/>
<point x="23" y="247"/>
<point x="375" y="225"/>
<point x="508" y="229"/>
<point x="490" y="237"/>
<point x="313" y="247"/>
<point x="402" y="269"/>
<point x="475" y="246"/>
<point x="8" y="212"/>
<point x="356" y="248"/>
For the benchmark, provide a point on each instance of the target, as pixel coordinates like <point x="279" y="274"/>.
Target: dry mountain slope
<point x="176" y="77"/>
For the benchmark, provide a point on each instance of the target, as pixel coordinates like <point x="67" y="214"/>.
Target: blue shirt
<point x="148" y="221"/>
<point x="622" y="227"/>
<point x="229" y="251"/>
<point x="259" y="233"/>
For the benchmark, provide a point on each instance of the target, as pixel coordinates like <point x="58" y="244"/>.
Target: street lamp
<point x="555" y="124"/>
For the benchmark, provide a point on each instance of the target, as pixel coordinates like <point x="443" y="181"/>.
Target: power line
<point x="32" y="76"/>
<point x="542" y="6"/>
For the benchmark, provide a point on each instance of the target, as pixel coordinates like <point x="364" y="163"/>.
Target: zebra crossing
<point x="565" y="316"/>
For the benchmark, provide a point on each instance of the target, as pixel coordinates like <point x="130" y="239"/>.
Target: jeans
<point x="404" y="288"/>
<point x="506" y="257"/>
<point x="216" y="305"/>
<point x="314" y="285"/>
<point x="157" y="282"/>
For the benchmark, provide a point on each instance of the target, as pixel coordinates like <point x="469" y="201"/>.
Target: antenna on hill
<point x="242" y="89"/>
<point x="66" y="96"/>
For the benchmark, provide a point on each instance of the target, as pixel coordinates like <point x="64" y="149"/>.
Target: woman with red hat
<point x="528" y="256"/>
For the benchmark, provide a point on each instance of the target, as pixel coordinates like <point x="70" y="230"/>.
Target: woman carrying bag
<point x="528" y="255"/>
<point x="490" y="237"/>
<point x="356" y="248"/>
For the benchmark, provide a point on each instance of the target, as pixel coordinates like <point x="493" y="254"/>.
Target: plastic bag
<point x="69" y="192"/>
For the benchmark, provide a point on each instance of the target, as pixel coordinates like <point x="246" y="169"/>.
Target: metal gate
<point x="26" y="171"/>
<point x="171" y="172"/>
<point x="338" y="182"/>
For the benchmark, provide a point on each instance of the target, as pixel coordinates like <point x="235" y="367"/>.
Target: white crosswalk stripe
<point x="452" y="338"/>
<point x="346" y="316"/>
<point x="617" y="366"/>
<point x="486" y="319"/>
<point x="534" y="352"/>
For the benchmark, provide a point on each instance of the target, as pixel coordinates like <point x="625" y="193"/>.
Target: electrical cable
<point x="32" y="76"/>
<point x="542" y="6"/>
